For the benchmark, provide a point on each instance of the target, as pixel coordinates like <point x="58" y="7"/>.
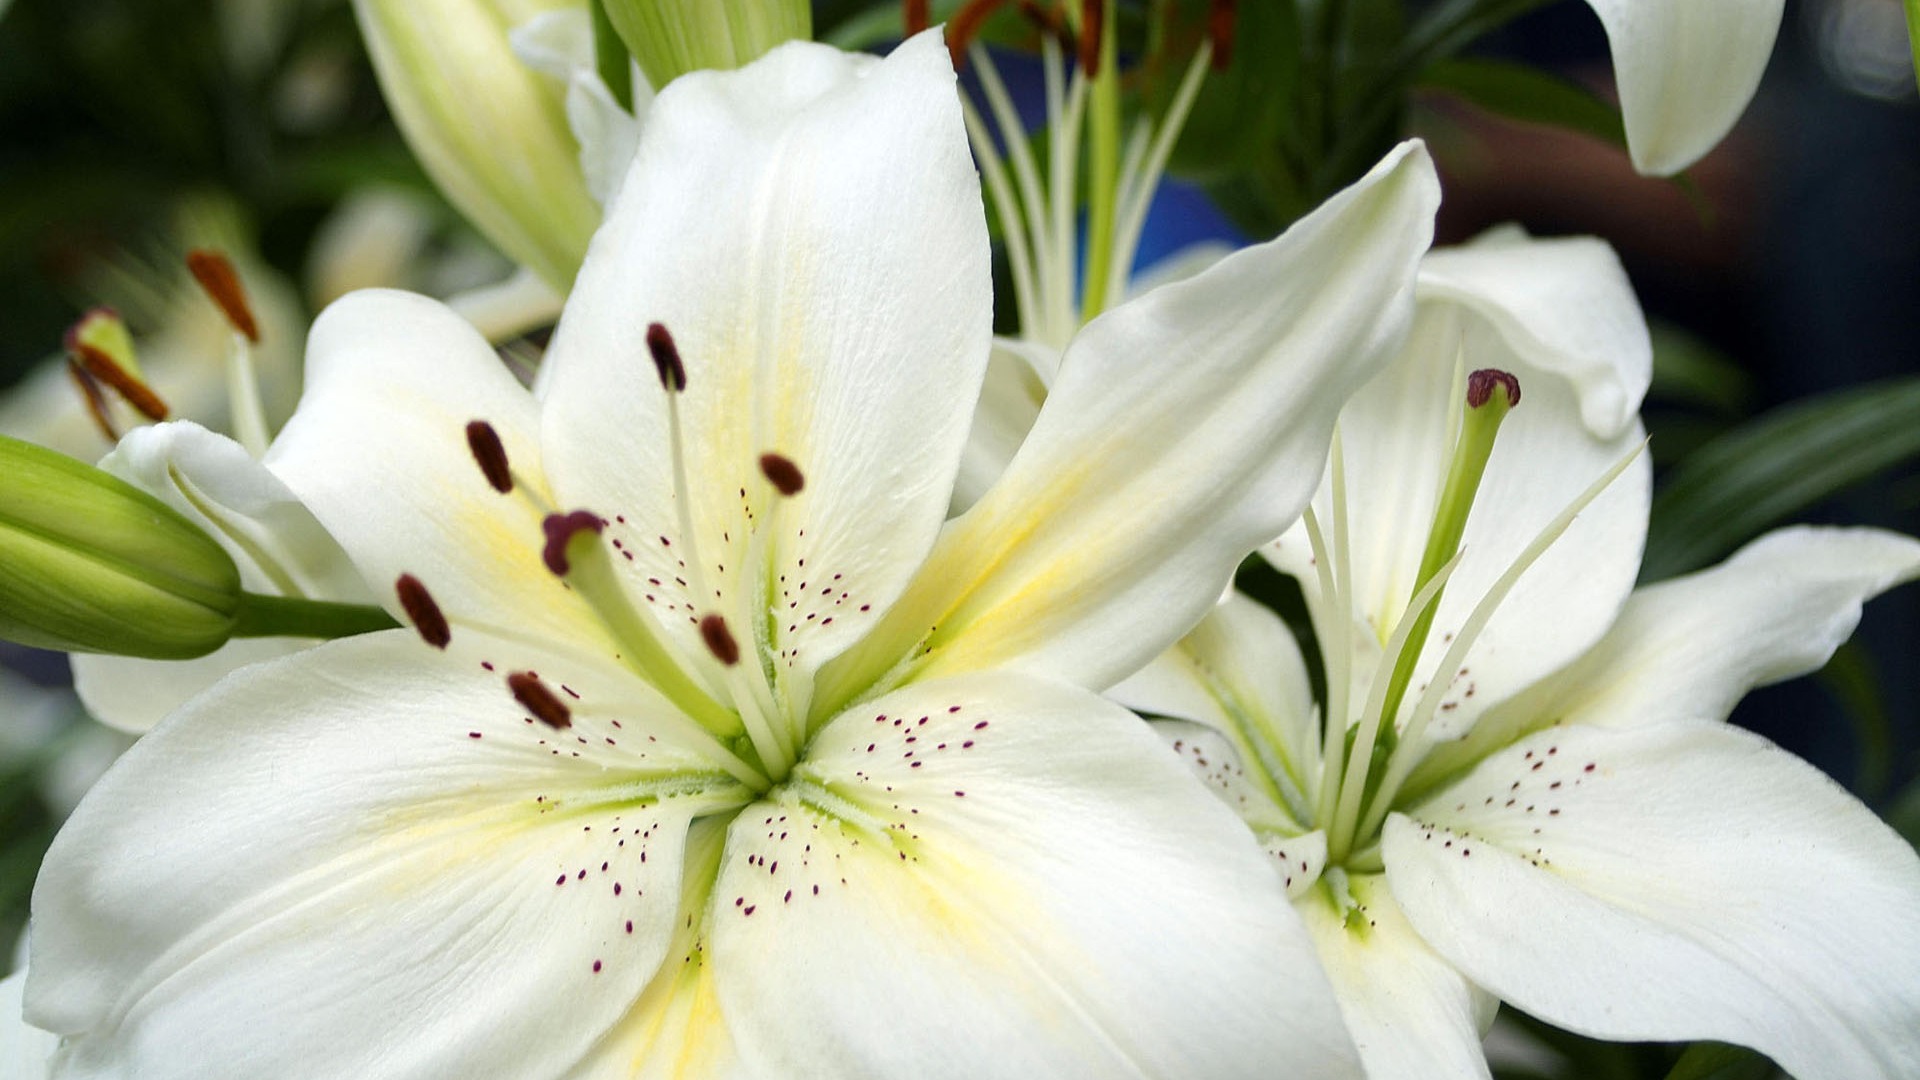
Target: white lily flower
<point x="757" y="765"/>
<point x="1685" y="70"/>
<point x="1557" y="817"/>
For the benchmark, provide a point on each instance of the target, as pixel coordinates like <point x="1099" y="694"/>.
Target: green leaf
<point x="1689" y="371"/>
<point x="1913" y="34"/>
<point x="1775" y="466"/>
<point x="1528" y="94"/>
<point x="1718" y="1061"/>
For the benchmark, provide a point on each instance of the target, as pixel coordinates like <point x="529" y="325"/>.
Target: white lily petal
<point x="1412" y="1014"/>
<point x="25" y="1050"/>
<point x="379" y="453"/>
<point x="1685" y="72"/>
<point x="1206" y="401"/>
<point x="457" y="891"/>
<point x="831" y="305"/>
<point x="1674" y="882"/>
<point x="276" y="543"/>
<point x="1010" y="398"/>
<point x="997" y="876"/>
<point x="560" y="44"/>
<point x="1214" y="761"/>
<point x="1564" y="433"/>
<point x="1687" y="650"/>
<point x="1239" y="672"/>
<point x="1563" y="303"/>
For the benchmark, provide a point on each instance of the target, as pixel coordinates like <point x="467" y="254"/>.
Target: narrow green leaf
<point x="1769" y="469"/>
<point x="610" y="57"/>
<point x="1913" y="34"/>
<point x="1718" y="1061"/>
<point x="1528" y="94"/>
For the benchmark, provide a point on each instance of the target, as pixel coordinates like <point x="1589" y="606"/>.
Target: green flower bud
<point x="491" y="132"/>
<point x="90" y="563"/>
<point x="669" y="38"/>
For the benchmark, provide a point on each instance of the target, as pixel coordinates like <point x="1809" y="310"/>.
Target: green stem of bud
<point x="1490" y="396"/>
<point x="261" y="615"/>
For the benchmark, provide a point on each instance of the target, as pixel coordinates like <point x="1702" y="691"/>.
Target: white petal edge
<point x="1685" y="72"/>
<point x="1674" y="883"/>
<point x="26" y="1052"/>
<point x="1563" y="302"/>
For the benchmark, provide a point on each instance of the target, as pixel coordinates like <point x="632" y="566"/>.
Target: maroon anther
<point x="666" y="358"/>
<point x="782" y="473"/>
<point x="965" y="26"/>
<point x="95" y="365"/>
<point x="719" y="639"/>
<point x="422" y="612"/>
<point x="913" y="16"/>
<point x="533" y="696"/>
<point x="1480" y="386"/>
<point x="1221" y="15"/>
<point x="216" y="275"/>
<point x="1093" y="15"/>
<point x="560" y="530"/>
<point x="491" y="454"/>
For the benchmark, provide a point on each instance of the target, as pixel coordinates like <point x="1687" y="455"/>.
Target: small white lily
<point x="1556" y="816"/>
<point x="737" y="758"/>
<point x="1685" y="70"/>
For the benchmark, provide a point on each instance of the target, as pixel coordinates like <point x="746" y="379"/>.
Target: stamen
<point x="783" y="474"/>
<point x="1092" y="19"/>
<point x="1221" y="15"/>
<point x="533" y="696"/>
<point x="913" y="16"/>
<point x="422" y="612"/>
<point x="666" y="358"/>
<point x="491" y="455"/>
<point x="560" y="530"/>
<point x="101" y="351"/>
<point x="719" y="639"/>
<point x="965" y="26"/>
<point x="216" y="275"/>
<point x="96" y="401"/>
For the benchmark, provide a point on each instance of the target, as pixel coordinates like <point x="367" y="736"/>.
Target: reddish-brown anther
<point x="1480" y="386"/>
<point x="1221" y="16"/>
<point x="913" y="16"/>
<point x="965" y="26"/>
<point x="216" y="275"/>
<point x="491" y="454"/>
<point x="666" y="358"/>
<point x="540" y="702"/>
<point x="96" y="401"/>
<point x="560" y="530"/>
<point x="422" y="612"/>
<point x="1093" y="16"/>
<point x="782" y="473"/>
<point x="719" y="639"/>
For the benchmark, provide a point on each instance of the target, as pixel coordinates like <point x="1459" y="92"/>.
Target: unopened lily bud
<point x="90" y="563"/>
<point x="491" y="132"/>
<point x="669" y="38"/>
